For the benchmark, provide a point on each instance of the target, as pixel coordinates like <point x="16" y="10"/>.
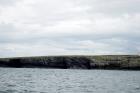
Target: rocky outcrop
<point x="75" y="62"/>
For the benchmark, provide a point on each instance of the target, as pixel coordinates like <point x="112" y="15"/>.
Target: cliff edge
<point x="128" y="62"/>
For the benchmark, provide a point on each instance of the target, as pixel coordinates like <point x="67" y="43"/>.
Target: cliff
<point x="129" y="62"/>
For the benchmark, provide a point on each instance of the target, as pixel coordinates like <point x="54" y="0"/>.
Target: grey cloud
<point x="7" y="2"/>
<point x="4" y="27"/>
<point x="74" y="27"/>
<point x="6" y="32"/>
<point x="113" y="7"/>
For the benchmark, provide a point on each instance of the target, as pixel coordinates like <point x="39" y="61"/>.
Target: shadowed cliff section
<point x="129" y="62"/>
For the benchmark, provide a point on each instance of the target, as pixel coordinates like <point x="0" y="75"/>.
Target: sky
<point x="69" y="27"/>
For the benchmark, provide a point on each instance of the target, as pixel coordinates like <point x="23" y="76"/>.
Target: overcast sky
<point x="69" y="27"/>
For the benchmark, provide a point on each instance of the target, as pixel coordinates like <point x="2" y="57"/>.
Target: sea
<point x="41" y="80"/>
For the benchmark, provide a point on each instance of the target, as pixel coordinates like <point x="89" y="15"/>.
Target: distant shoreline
<point x="107" y="62"/>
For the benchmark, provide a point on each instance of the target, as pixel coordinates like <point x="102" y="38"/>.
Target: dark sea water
<point x="33" y="80"/>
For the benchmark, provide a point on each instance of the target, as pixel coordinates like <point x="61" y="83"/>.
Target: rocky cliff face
<point x="75" y="62"/>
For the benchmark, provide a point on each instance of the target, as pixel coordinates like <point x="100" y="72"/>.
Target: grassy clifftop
<point x="75" y="62"/>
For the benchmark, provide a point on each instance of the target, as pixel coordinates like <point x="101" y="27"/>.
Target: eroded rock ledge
<point x="131" y="62"/>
